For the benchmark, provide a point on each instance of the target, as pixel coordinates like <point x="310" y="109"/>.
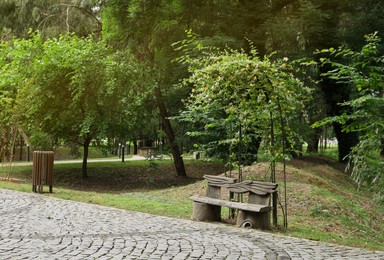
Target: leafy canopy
<point x="72" y="88"/>
<point x="232" y="90"/>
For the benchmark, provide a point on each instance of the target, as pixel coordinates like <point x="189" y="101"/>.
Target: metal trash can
<point x="42" y="170"/>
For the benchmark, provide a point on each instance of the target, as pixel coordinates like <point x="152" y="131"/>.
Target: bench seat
<point x="231" y="204"/>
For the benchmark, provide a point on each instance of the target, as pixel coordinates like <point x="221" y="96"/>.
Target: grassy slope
<point x="323" y="202"/>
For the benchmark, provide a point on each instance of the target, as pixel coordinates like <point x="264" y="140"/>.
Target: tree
<point x="52" y="18"/>
<point x="150" y="29"/>
<point x="7" y="125"/>
<point x="363" y="71"/>
<point x="237" y="93"/>
<point x="73" y="88"/>
<point x="10" y="71"/>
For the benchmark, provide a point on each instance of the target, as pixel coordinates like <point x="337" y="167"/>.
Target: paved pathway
<point x="33" y="226"/>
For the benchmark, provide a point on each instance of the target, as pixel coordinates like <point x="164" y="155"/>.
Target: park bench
<point x="255" y="213"/>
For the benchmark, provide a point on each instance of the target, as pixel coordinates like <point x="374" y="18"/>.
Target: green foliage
<point x="363" y="70"/>
<point x="237" y="97"/>
<point x="81" y="84"/>
<point x="71" y="88"/>
<point x="296" y="29"/>
<point x="362" y="17"/>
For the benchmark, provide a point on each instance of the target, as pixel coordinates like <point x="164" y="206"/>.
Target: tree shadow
<point x="122" y="179"/>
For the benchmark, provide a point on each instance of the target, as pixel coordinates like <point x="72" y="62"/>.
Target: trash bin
<point x="42" y="170"/>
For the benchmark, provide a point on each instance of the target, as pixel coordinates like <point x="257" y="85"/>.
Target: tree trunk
<point x="14" y="148"/>
<point x="313" y="141"/>
<point x="297" y="149"/>
<point x="177" y="158"/>
<point x="135" y="146"/>
<point x="21" y="148"/>
<point x="346" y="141"/>
<point x="324" y="137"/>
<point x="87" y="141"/>
<point x="336" y="93"/>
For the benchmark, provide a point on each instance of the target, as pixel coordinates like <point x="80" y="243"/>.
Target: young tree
<point x="238" y="93"/>
<point x="149" y="28"/>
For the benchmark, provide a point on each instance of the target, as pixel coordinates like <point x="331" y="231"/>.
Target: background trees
<point x="138" y="36"/>
<point x="75" y="89"/>
<point x="150" y="28"/>
<point x="51" y="17"/>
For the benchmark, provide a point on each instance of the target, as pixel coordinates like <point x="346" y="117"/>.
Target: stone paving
<point x="41" y="227"/>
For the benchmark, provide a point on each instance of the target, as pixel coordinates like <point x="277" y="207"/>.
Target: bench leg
<point x="205" y="212"/>
<point x="259" y="220"/>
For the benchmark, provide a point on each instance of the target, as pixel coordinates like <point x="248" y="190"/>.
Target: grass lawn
<point x="323" y="202"/>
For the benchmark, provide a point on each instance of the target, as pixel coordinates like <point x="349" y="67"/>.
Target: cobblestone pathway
<point x="41" y="227"/>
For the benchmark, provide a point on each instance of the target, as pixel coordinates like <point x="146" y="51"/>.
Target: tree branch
<point x="85" y="11"/>
<point x="76" y="142"/>
<point x="67" y="19"/>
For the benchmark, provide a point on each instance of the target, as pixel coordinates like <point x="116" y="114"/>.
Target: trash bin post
<point x="42" y="170"/>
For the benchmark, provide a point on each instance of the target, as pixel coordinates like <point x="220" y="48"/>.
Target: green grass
<point x="129" y="201"/>
<point x="334" y="213"/>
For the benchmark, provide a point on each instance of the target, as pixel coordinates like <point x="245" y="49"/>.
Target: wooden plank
<point x="215" y="177"/>
<point x="266" y="184"/>
<point x="260" y="191"/>
<point x="50" y="171"/>
<point x="243" y="188"/>
<point x="218" y="181"/>
<point x="252" y="186"/>
<point x="237" y="189"/>
<point x="43" y="170"/>
<point x="231" y="204"/>
<point x="265" y="187"/>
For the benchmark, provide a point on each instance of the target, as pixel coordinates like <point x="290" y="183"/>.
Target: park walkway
<point x="34" y="226"/>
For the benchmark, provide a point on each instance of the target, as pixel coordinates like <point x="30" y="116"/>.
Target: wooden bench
<point x="253" y="214"/>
